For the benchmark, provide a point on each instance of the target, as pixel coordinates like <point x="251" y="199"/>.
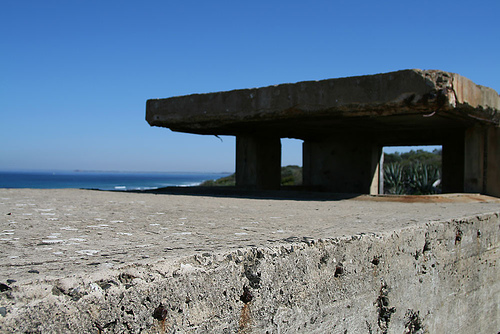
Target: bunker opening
<point x="412" y="170"/>
<point x="291" y="162"/>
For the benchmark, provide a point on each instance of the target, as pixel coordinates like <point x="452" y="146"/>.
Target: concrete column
<point x="380" y="173"/>
<point x="258" y="162"/>
<point x="471" y="161"/>
<point x="453" y="163"/>
<point x="474" y="162"/>
<point x="342" y="166"/>
<point x="493" y="162"/>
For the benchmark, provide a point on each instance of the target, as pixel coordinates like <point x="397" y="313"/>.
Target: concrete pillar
<point x="452" y="177"/>
<point x="380" y="173"/>
<point x="342" y="166"/>
<point x="474" y="154"/>
<point x="493" y="162"/>
<point x="258" y="162"/>
<point x="471" y="161"/>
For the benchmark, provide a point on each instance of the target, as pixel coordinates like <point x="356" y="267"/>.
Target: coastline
<point x="102" y="180"/>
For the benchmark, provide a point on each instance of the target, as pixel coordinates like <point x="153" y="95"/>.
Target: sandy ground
<point x="49" y="234"/>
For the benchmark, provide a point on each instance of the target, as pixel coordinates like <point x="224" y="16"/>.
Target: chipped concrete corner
<point x="435" y="277"/>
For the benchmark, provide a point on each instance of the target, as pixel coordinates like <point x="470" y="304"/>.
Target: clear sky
<point x="76" y="74"/>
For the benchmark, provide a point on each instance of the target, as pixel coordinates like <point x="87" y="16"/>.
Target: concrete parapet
<point x="414" y="269"/>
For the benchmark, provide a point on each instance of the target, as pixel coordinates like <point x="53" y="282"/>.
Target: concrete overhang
<point x="404" y="102"/>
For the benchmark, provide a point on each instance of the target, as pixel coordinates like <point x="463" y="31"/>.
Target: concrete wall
<point x="441" y="277"/>
<point x="471" y="161"/>
<point x="258" y="162"/>
<point x="342" y="165"/>
<point x="493" y="162"/>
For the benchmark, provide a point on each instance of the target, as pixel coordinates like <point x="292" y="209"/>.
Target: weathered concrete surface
<point x="100" y="262"/>
<point x="317" y="108"/>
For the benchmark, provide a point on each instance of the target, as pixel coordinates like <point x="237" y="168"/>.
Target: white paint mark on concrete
<point x="87" y="252"/>
<point x="68" y="228"/>
<point x="52" y="241"/>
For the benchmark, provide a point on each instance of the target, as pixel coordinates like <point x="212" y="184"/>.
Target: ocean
<point x="119" y="181"/>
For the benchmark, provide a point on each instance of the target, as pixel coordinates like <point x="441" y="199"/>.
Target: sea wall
<point x="438" y="277"/>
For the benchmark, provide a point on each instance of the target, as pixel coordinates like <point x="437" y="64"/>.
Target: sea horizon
<point x="108" y="171"/>
<point x="103" y="180"/>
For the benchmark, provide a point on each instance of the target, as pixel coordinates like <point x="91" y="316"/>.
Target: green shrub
<point x="290" y="176"/>
<point x="223" y="181"/>
<point x="412" y="173"/>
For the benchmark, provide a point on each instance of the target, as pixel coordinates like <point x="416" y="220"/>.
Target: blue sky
<point x="75" y="74"/>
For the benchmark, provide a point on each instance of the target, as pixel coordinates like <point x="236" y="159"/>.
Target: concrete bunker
<point x="345" y="123"/>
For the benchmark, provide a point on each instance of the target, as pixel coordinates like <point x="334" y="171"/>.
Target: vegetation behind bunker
<point x="410" y="173"/>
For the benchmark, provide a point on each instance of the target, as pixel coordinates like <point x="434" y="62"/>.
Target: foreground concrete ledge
<point x="86" y="261"/>
<point x="301" y="110"/>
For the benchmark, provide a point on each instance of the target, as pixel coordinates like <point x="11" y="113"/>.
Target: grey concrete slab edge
<point x="190" y="266"/>
<point x="286" y="109"/>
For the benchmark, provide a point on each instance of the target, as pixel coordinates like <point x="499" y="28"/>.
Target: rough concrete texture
<point x="307" y="108"/>
<point x="105" y="262"/>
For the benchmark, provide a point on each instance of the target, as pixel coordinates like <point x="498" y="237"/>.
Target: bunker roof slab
<point x="408" y="99"/>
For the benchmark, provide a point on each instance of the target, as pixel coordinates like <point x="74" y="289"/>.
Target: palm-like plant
<point x="421" y="179"/>
<point x="394" y="180"/>
<point x="416" y="179"/>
